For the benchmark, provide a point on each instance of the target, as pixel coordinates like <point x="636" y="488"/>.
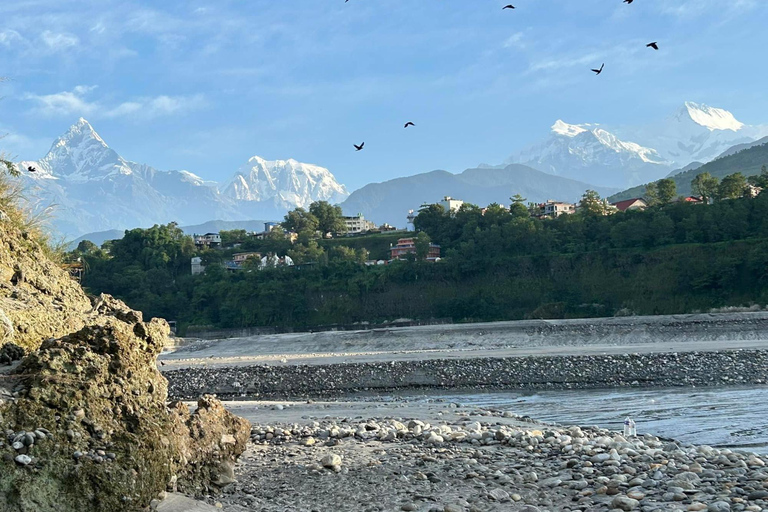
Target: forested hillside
<point x="748" y="162"/>
<point x="497" y="265"/>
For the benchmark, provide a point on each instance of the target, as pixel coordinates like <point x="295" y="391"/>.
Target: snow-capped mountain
<point x="592" y="154"/>
<point x="92" y="188"/>
<point x="605" y="156"/>
<point x="285" y="183"/>
<point x="695" y="132"/>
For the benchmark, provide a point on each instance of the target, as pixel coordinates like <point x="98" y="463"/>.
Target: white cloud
<point x="695" y="8"/>
<point x="515" y="41"/>
<point x="9" y="37"/>
<point x="64" y="103"/>
<point x="77" y="103"/>
<point x="59" y="41"/>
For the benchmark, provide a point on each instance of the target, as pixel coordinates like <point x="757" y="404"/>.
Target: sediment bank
<point x="529" y="373"/>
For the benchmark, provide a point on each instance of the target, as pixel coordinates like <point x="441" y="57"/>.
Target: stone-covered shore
<point x="730" y="367"/>
<point x="481" y="461"/>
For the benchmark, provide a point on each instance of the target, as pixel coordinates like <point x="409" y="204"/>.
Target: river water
<point x="734" y="418"/>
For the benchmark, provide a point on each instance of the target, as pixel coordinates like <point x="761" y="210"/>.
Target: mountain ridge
<point x="390" y="201"/>
<point x="93" y="188"/>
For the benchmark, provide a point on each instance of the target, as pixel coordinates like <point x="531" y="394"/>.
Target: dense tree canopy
<point x="498" y="264"/>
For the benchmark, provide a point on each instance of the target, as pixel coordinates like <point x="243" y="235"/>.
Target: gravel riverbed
<point x="473" y="459"/>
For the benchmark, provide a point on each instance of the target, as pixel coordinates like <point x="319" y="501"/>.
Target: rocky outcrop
<point x="38" y="299"/>
<point x="89" y="427"/>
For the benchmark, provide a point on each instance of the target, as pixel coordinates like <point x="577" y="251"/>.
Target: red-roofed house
<point x="631" y="204"/>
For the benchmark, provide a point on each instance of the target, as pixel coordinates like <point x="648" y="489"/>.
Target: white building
<point x="358" y="224"/>
<point x="208" y="240"/>
<point x="197" y="266"/>
<point x="450" y="204"/>
<point x="556" y="208"/>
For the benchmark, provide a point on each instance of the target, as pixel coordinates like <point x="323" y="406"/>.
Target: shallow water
<point x="723" y="417"/>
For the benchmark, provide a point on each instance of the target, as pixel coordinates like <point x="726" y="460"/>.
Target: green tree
<point x="342" y="253"/>
<point x="518" y="208"/>
<point x="592" y="204"/>
<point x="652" y="194"/>
<point x="310" y="252"/>
<point x="705" y="185"/>
<point x="422" y="243"/>
<point x="761" y="180"/>
<point x="302" y="222"/>
<point x="329" y="217"/>
<point x="667" y="190"/>
<point x="235" y="236"/>
<point x="733" y="186"/>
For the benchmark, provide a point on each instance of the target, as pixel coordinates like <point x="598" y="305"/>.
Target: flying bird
<point x="628" y="1"/>
<point x="598" y="71"/>
<point x="360" y="147"/>
<point x="31" y="169"/>
<point x="408" y="124"/>
<point x="653" y="45"/>
<point x="510" y="6"/>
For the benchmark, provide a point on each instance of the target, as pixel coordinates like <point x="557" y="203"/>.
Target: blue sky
<point x="203" y="86"/>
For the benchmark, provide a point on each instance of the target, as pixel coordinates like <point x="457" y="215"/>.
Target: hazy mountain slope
<point x="747" y="161"/>
<point x="390" y="201"/>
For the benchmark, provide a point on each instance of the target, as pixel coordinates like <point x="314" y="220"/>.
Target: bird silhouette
<point x="598" y="71"/>
<point x="31" y="169"/>
<point x="360" y="147"/>
<point x="653" y="45"/>
<point x="510" y="6"/>
<point x="408" y="124"/>
<point x="628" y="1"/>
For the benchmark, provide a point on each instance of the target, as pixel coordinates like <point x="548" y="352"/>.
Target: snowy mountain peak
<point x="284" y="182"/>
<point x="568" y="130"/>
<point x="81" y="154"/>
<point x="710" y="117"/>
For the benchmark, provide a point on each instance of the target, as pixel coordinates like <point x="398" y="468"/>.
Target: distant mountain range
<point x="391" y="200"/>
<point x="627" y="156"/>
<point x="747" y="159"/>
<point x="93" y="188"/>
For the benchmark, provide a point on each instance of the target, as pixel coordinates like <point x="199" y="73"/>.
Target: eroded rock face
<point x="38" y="300"/>
<point x="91" y="420"/>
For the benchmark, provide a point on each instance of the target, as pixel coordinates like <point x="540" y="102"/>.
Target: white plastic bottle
<point x="629" y="427"/>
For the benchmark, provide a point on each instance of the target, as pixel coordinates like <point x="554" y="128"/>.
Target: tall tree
<point x="705" y="185"/>
<point x="518" y="207"/>
<point x="329" y="217"/>
<point x="733" y="186"/>
<point x="422" y="243"/>
<point x="652" y="194"/>
<point x="667" y="190"/>
<point x="301" y="221"/>
<point x="592" y="204"/>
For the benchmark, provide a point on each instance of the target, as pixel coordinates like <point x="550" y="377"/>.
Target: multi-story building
<point x="450" y="204"/>
<point x="553" y="209"/>
<point x="207" y="240"/>
<point x="358" y="224"/>
<point x="407" y="246"/>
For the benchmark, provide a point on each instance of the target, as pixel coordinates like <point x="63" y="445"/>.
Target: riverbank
<point x="447" y="457"/>
<point x="686" y="350"/>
